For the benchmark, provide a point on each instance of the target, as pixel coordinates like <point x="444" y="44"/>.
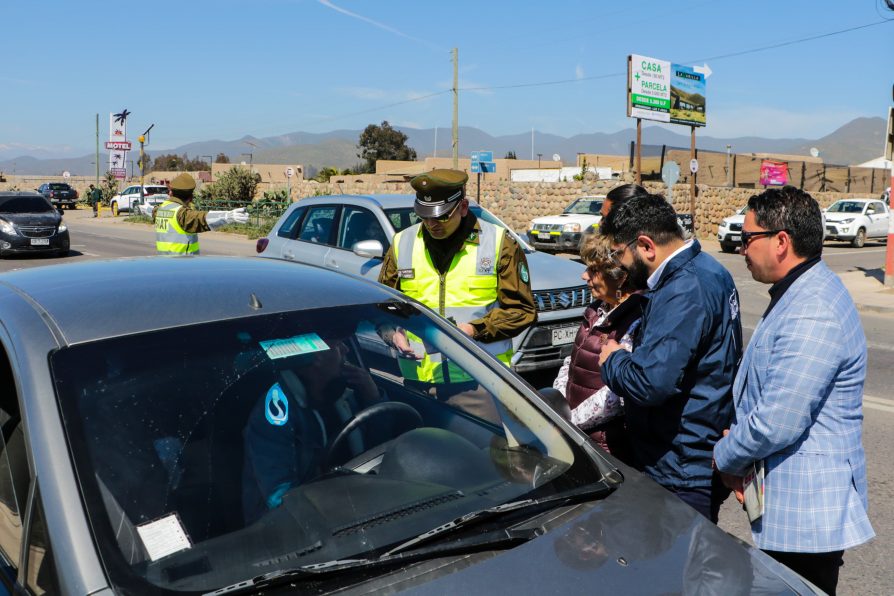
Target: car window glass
<point x="870" y="209"/>
<point x="15" y="477"/>
<point x="358" y="224"/>
<point x="287" y="229"/>
<point x="40" y="576"/>
<point x="402" y="218"/>
<point x="318" y="224"/>
<point x="25" y="204"/>
<point x="879" y="207"/>
<point x="203" y="480"/>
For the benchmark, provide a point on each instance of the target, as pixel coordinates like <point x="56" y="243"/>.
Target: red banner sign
<point x="774" y="173"/>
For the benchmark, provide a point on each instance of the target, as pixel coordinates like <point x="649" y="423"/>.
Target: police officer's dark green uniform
<point x="177" y="224"/>
<point x="468" y="270"/>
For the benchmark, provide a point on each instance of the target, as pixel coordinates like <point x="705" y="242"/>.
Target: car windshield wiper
<point x="405" y="552"/>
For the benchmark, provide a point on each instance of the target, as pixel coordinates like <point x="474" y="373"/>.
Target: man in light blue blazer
<point x="799" y="395"/>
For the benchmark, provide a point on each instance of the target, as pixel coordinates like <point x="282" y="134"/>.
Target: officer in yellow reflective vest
<point x="177" y="224"/>
<point x="469" y="271"/>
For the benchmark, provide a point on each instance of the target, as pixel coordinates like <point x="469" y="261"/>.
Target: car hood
<point x="733" y="219"/>
<point x="550" y="272"/>
<point x="836" y="217"/>
<point x="632" y="542"/>
<point x="32" y="219"/>
<point x="564" y="218"/>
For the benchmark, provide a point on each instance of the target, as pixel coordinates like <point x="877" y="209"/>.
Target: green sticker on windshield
<point x="293" y="346"/>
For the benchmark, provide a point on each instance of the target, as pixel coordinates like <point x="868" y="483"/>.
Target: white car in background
<point x="153" y="194"/>
<point x="563" y="232"/>
<point x="855" y="220"/>
<point x="729" y="232"/>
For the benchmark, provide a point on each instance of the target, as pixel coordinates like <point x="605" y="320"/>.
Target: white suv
<point x="153" y="194"/>
<point x="855" y="220"/>
<point x="729" y="232"/>
<point x="555" y="233"/>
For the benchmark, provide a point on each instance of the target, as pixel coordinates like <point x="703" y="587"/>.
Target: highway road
<point x="867" y="569"/>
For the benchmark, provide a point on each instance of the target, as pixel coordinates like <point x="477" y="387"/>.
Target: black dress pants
<point x="821" y="569"/>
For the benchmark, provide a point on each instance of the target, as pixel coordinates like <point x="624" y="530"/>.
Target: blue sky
<point x="203" y="70"/>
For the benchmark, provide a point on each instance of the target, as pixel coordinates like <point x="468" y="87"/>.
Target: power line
<point x="712" y="58"/>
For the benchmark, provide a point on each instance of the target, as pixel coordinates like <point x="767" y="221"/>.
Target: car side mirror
<point x="370" y="249"/>
<point x="554" y="398"/>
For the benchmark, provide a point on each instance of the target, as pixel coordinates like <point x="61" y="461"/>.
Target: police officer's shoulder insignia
<point x="523" y="272"/>
<point x="473" y="236"/>
<point x="406" y="273"/>
<point x="485" y="266"/>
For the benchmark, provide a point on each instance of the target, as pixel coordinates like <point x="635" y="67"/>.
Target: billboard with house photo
<point x="687" y="95"/>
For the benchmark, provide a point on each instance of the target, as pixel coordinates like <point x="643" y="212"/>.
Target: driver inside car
<point x="294" y="422"/>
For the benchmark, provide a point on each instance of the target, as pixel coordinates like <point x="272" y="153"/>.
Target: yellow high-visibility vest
<point x="467" y="291"/>
<point x="170" y="238"/>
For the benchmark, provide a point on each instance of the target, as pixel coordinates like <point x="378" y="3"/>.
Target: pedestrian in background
<point x="619" y="195"/>
<point x="94" y="196"/>
<point x="799" y="395"/>
<point x="613" y="314"/>
<point x="677" y="382"/>
<point x="177" y="223"/>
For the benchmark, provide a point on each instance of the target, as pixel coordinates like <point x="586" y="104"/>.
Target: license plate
<point x="564" y="335"/>
<point x="734" y="238"/>
<point x="543" y="236"/>
<point x="40" y="241"/>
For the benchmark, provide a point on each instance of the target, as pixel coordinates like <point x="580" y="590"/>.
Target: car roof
<point x="382" y="201"/>
<point x="88" y="301"/>
<point x="20" y="193"/>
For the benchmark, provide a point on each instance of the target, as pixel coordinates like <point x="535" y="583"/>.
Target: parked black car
<point x="30" y="224"/>
<point x="59" y="194"/>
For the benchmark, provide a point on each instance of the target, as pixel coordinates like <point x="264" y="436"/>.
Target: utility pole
<point x="455" y="108"/>
<point x="97" y="151"/>
<point x="142" y="140"/>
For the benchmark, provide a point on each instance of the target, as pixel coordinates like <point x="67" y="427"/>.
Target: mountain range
<point x="857" y="141"/>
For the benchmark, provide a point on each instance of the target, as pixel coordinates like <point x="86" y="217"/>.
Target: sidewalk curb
<point x="875" y="309"/>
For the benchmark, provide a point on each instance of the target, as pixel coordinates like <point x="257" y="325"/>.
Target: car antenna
<point x="254" y="303"/>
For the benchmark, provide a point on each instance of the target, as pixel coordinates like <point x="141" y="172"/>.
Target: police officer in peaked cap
<point x="177" y="223"/>
<point x="470" y="271"/>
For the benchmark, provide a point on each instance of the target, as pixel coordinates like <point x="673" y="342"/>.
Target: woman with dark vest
<point x="614" y="314"/>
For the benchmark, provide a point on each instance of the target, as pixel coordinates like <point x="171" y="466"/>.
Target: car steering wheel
<point x="397" y="409"/>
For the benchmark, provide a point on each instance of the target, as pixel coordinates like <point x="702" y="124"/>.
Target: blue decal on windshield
<point x="276" y="406"/>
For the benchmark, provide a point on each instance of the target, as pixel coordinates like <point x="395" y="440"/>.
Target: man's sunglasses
<point x="747" y="236"/>
<point x="445" y="218"/>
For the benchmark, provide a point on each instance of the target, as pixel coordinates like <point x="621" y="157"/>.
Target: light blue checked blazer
<point x="799" y="406"/>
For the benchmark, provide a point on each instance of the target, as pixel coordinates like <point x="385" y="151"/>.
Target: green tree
<point x="383" y="142"/>
<point x="108" y="187"/>
<point x="221" y="158"/>
<point x="325" y="174"/>
<point x="510" y="155"/>
<point x="236" y="184"/>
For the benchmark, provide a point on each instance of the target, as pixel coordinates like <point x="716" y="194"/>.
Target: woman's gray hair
<point x="595" y="251"/>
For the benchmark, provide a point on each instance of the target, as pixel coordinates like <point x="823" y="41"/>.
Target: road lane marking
<point x="878" y="403"/>
<point x="854" y="252"/>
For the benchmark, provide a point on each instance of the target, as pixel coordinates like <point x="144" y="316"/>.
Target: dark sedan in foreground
<point x="250" y="430"/>
<point x="29" y="224"/>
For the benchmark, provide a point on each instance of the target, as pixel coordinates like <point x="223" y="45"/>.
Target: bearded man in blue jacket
<point x="677" y="382"/>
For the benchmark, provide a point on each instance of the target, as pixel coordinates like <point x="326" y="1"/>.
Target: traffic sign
<point x="484" y="167"/>
<point x="119" y="145"/>
<point x="66" y="174"/>
<point x="482" y="156"/>
<point x="693" y="165"/>
<point x="290" y="172"/>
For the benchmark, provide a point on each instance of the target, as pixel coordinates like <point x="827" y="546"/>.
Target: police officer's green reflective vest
<point x="170" y="238"/>
<point x="466" y="292"/>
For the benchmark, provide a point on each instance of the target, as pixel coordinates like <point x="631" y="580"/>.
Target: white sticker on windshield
<point x="294" y="346"/>
<point x="163" y="536"/>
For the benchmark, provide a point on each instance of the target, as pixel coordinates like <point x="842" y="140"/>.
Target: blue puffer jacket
<point x="677" y="382"/>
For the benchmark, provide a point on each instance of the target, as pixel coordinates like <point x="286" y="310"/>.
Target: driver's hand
<point x="361" y="382"/>
<point x="402" y="344"/>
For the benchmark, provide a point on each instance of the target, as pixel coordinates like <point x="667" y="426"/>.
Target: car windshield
<point x="155" y="190"/>
<point x="585" y="207"/>
<point x="404" y="217"/>
<point x="845" y="207"/>
<point x="59" y="186"/>
<point x="214" y="453"/>
<point x="36" y="204"/>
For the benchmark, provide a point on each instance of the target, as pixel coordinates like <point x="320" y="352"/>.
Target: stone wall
<point x="517" y="203"/>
